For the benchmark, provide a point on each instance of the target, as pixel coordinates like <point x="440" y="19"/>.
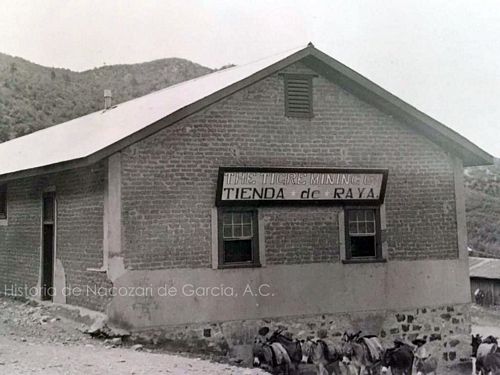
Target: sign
<point x="259" y="186"/>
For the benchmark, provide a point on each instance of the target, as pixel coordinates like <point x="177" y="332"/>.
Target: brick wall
<point x="80" y="195"/>
<point x="169" y="179"/>
<point x="20" y="240"/>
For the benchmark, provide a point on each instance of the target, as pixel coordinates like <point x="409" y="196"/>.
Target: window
<point x="238" y="238"/>
<point x="362" y="228"/>
<point x="3" y="202"/>
<point x="298" y="95"/>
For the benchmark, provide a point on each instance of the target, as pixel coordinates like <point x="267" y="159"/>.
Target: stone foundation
<point x="446" y="329"/>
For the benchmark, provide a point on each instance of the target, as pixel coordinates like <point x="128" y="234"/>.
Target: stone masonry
<point x="446" y="329"/>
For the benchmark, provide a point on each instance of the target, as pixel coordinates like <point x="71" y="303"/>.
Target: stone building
<point x="290" y="191"/>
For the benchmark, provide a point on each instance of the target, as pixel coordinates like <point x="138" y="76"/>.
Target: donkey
<point x="489" y="364"/>
<point x="425" y="363"/>
<point x="399" y="359"/>
<point x="480" y="349"/>
<point x="293" y="347"/>
<point x="322" y="355"/>
<point x="425" y="366"/>
<point x="271" y="357"/>
<point x="364" y="353"/>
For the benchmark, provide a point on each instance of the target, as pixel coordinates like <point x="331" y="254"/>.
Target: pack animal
<point x="480" y="349"/>
<point x="325" y="357"/>
<point x="271" y="357"/>
<point x="399" y="359"/>
<point x="489" y="364"/>
<point x="363" y="353"/>
<point x="293" y="347"/>
<point x="426" y="366"/>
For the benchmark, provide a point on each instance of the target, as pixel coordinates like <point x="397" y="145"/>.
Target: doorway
<point x="48" y="245"/>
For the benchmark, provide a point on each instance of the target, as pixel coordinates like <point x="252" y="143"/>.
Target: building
<point x="485" y="276"/>
<point x="288" y="191"/>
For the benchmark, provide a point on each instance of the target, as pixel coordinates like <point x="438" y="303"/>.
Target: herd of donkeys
<point x="279" y="353"/>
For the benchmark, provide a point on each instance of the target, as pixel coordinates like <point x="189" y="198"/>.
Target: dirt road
<point x="34" y="340"/>
<point x="17" y="357"/>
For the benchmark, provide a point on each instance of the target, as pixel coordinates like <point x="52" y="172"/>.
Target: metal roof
<point x="87" y="139"/>
<point x="486" y="268"/>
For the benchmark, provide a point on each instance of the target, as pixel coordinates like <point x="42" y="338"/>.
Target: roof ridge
<point x="179" y="84"/>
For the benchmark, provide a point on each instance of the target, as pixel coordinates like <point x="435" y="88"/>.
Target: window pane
<point x="227" y="218"/>
<point x="237" y="231"/>
<point x="236" y="217"/>
<point x="353" y="215"/>
<point x="3" y="204"/>
<point x="353" y="228"/>
<point x="247" y="218"/>
<point x="363" y="246"/>
<point x="247" y="230"/>
<point x="361" y="227"/>
<point x="369" y="215"/>
<point x="48" y="207"/>
<point x="370" y="227"/>
<point x="237" y="251"/>
<point x="228" y="231"/>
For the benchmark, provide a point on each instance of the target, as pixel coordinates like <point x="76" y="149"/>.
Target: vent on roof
<point x="107" y="99"/>
<point x="298" y="95"/>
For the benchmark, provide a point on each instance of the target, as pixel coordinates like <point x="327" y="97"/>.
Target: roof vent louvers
<point x="298" y="91"/>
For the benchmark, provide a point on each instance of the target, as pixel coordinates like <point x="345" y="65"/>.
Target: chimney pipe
<point x="107" y="99"/>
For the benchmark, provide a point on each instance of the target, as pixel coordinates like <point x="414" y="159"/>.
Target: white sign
<point x="298" y="185"/>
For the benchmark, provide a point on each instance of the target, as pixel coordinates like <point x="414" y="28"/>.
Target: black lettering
<point x="337" y="192"/>
<point x="280" y="194"/>
<point x="370" y="194"/>
<point x="313" y="194"/>
<point x="271" y="191"/>
<point x="228" y="191"/>
<point x="244" y="191"/>
<point x="305" y="194"/>
<point x="360" y="191"/>
<point x="349" y="194"/>
<point x="257" y="193"/>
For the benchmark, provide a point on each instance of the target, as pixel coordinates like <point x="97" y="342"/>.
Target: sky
<point x="442" y="57"/>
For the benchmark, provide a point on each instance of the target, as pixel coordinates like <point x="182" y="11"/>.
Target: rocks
<point x="114" y="342"/>
<point x="137" y="347"/>
<point x="101" y="329"/>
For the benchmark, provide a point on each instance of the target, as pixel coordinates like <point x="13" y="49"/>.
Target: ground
<point x="485" y="321"/>
<point x="36" y="339"/>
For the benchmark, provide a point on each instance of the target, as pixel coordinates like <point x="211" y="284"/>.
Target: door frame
<point x="50" y="189"/>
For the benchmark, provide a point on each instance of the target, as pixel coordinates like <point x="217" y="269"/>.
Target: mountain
<point x="482" y="188"/>
<point x="33" y="97"/>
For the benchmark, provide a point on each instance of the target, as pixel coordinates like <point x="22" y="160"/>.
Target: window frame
<point x="3" y="202"/>
<point x="255" y="262"/>
<point x="379" y="256"/>
<point x="309" y="79"/>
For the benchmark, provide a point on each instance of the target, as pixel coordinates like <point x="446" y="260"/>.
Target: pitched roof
<point x="87" y="139"/>
<point x="486" y="268"/>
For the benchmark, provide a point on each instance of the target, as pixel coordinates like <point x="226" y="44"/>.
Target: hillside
<point x="483" y="209"/>
<point x="33" y="97"/>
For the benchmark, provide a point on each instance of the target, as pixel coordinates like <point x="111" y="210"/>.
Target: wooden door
<point x="48" y="244"/>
